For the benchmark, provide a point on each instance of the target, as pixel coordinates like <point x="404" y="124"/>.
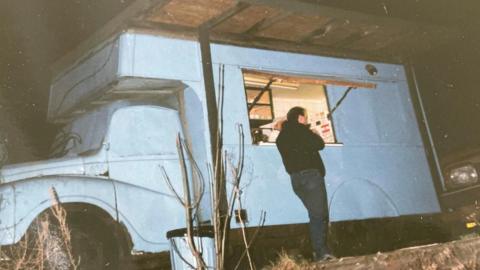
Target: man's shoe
<point x="328" y="257"/>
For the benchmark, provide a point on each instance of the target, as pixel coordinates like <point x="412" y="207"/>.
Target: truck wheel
<point x="97" y="241"/>
<point x="94" y="248"/>
<point x="95" y="244"/>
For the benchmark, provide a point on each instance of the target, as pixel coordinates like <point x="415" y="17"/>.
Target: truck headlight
<point x="462" y="176"/>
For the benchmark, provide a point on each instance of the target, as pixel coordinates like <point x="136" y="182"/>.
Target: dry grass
<point x="47" y="244"/>
<point x="288" y="262"/>
<point x="460" y="255"/>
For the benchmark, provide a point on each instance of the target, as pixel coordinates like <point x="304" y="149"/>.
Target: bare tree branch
<point x="170" y="186"/>
<point x="263" y="215"/>
<point x="188" y="206"/>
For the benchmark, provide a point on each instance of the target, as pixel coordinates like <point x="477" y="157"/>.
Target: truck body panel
<point x="118" y="199"/>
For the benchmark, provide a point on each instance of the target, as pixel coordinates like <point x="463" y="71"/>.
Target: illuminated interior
<point x="270" y="96"/>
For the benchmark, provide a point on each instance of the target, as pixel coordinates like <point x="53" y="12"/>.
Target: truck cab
<point x="112" y="158"/>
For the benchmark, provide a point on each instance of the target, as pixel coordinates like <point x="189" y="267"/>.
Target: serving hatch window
<point x="270" y="96"/>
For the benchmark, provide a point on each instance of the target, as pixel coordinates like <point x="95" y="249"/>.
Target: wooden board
<point x="334" y="33"/>
<point x="192" y="13"/>
<point x="246" y="19"/>
<point x="308" y="80"/>
<point x="293" y="27"/>
<point x="381" y="38"/>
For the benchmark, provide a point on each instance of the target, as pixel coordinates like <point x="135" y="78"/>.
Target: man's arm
<point x="315" y="140"/>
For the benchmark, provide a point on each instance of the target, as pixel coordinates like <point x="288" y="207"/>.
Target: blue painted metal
<point x="379" y="168"/>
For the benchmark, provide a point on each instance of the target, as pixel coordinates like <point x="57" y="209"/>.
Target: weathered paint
<point x="133" y="161"/>
<point x="379" y="168"/>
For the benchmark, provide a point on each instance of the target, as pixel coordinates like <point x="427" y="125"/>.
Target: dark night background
<point x="35" y="33"/>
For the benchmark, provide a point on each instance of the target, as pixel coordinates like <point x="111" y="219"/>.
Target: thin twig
<point x="170" y="186"/>
<point x="188" y="206"/>
<point x="244" y="233"/>
<point x="175" y="249"/>
<point x="263" y="215"/>
<point x="197" y="171"/>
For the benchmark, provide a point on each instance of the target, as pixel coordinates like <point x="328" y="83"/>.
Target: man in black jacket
<point x="299" y="147"/>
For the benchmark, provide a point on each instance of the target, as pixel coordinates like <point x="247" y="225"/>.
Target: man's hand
<point x="315" y="131"/>
<point x="279" y="124"/>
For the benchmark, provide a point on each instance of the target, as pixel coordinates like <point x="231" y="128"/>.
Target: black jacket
<point x="299" y="148"/>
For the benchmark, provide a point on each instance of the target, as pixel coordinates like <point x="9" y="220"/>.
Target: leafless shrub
<point x="46" y="245"/>
<point x="223" y="208"/>
<point x="189" y="204"/>
<point x="222" y="211"/>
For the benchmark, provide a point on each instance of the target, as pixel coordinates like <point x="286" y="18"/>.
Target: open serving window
<point x="270" y="96"/>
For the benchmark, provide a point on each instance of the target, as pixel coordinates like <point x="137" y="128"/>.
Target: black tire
<point x="94" y="243"/>
<point x="94" y="249"/>
<point x="97" y="242"/>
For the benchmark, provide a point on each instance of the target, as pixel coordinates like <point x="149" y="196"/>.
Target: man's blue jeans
<point x="309" y="186"/>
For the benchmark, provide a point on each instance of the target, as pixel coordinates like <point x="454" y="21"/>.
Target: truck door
<point x="142" y="143"/>
<point x="7" y="214"/>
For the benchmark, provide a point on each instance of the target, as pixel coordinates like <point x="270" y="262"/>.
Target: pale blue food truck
<point x="123" y="102"/>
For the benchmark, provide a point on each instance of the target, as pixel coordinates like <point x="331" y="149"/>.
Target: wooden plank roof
<point x="290" y="25"/>
<point x="302" y="23"/>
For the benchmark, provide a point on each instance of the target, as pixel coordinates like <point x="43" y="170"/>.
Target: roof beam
<point x="283" y="45"/>
<point x="350" y="17"/>
<point x="351" y="39"/>
<point x="210" y="24"/>
<point x="266" y="22"/>
<point x="319" y="32"/>
<point x="315" y="9"/>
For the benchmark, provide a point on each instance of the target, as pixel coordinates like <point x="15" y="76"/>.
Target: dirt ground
<point x="461" y="254"/>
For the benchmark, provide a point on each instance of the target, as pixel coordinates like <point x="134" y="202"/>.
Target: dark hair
<point x="293" y="113"/>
